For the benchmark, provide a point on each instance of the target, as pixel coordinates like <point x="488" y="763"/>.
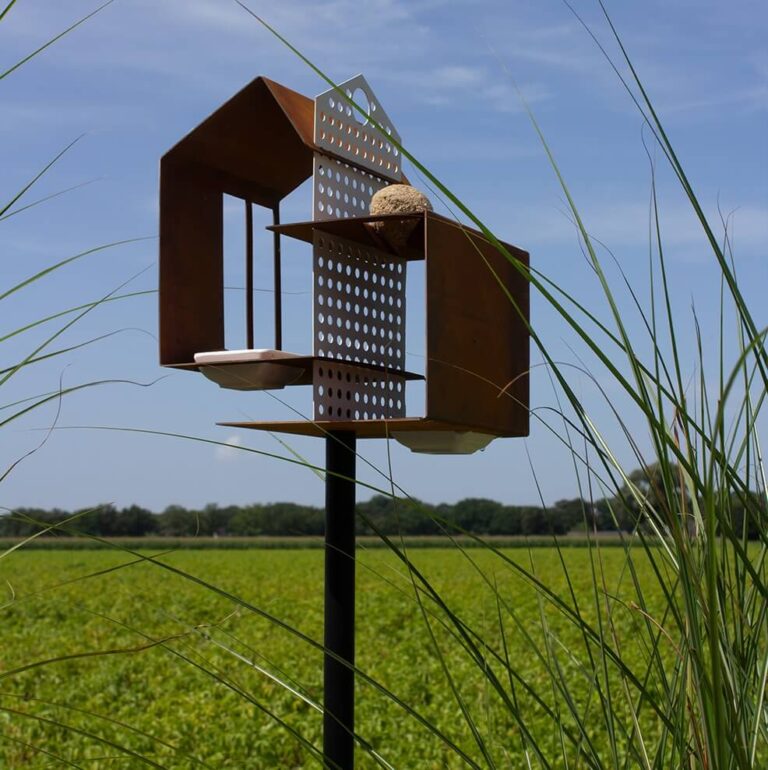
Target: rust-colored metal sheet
<point x="355" y="229"/>
<point x="362" y="428"/>
<point x="191" y="295"/>
<point x="477" y="342"/>
<point x="307" y="362"/>
<point x="299" y="109"/>
<point x="258" y="145"/>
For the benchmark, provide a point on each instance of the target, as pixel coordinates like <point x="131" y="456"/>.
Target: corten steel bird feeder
<point x="260" y="146"/>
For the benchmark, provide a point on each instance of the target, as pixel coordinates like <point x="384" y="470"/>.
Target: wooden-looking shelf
<point x="362" y="428"/>
<point x="305" y="363"/>
<point x="354" y="229"/>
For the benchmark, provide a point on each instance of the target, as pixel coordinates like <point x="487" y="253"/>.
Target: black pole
<point x="278" y="280"/>
<point x="339" y="680"/>
<point x="248" y="275"/>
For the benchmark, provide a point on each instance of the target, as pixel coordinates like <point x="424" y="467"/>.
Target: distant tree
<point x="507" y="520"/>
<point x="662" y="492"/>
<point x="749" y="512"/>
<point x="247" y="521"/>
<point x="476" y="514"/>
<point x="94" y="520"/>
<point x="177" y="521"/>
<point x="217" y="521"/>
<point x="392" y="517"/>
<point x="376" y="514"/>
<point x="23" y="522"/>
<point x="135" y="521"/>
<point x="532" y="520"/>
<point x="566" y="515"/>
<point x="291" y="519"/>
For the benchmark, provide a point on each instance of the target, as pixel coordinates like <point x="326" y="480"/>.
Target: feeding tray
<point x="440" y="442"/>
<point x="260" y="369"/>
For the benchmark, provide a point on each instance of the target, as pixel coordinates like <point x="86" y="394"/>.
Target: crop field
<point x="110" y="660"/>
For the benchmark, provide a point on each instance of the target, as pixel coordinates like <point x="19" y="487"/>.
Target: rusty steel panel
<point x="258" y="145"/>
<point x="191" y="285"/>
<point x="477" y="343"/>
<point x="358" y="230"/>
<point x="362" y="428"/>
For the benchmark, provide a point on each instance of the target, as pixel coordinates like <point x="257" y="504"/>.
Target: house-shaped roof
<point x="257" y="146"/>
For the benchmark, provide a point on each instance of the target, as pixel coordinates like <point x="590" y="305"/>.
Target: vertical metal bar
<point x="278" y="281"/>
<point x="249" y="275"/>
<point x="339" y="680"/>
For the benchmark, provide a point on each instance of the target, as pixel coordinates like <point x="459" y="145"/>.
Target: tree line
<point x="379" y="515"/>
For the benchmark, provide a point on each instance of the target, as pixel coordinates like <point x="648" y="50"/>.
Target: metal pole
<point x="248" y="275"/>
<point x="278" y="280"/>
<point x="339" y="680"/>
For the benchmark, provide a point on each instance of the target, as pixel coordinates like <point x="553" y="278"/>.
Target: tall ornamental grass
<point x="696" y="698"/>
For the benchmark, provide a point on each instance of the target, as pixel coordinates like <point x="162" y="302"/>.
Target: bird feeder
<point x="260" y="146"/>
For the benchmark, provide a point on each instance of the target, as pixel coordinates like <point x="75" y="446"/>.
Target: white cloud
<point x="625" y="223"/>
<point x="230" y="452"/>
<point x="453" y="76"/>
<point x="750" y="98"/>
<point x="459" y="85"/>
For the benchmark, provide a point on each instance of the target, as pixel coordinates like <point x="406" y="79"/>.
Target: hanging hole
<point x="360" y="98"/>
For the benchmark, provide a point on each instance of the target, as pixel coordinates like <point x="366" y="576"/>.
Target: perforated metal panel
<point x="358" y="303"/>
<point x="343" y="392"/>
<point x="340" y="129"/>
<point x="340" y="190"/>
<point x="358" y="292"/>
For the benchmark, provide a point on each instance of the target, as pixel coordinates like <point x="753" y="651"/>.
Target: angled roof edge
<point x="299" y="109"/>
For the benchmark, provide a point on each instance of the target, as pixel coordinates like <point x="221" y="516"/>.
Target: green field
<point x="168" y="701"/>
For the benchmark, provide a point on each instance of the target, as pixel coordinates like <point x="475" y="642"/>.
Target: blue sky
<point x="142" y="73"/>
